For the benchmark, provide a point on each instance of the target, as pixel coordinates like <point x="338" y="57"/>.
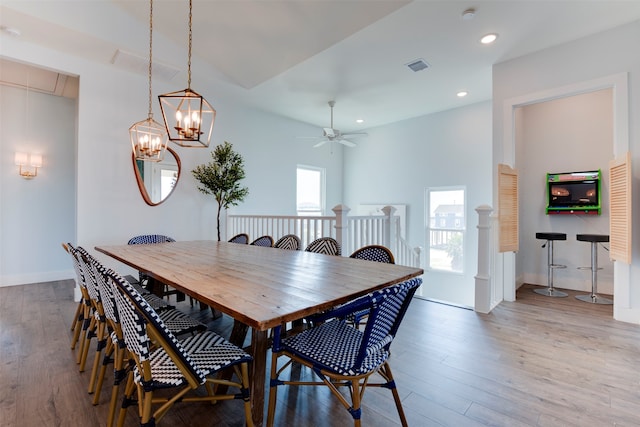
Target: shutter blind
<point x="620" y="209"/>
<point x="508" y="208"/>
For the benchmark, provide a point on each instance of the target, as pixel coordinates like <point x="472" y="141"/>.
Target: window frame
<point x="322" y="194"/>
<point x="429" y="228"/>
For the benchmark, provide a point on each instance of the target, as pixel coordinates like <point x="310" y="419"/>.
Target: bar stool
<point x="594" y="239"/>
<point x="550" y="238"/>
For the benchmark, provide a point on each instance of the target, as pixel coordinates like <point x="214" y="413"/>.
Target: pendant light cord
<point x="190" y="40"/>
<point x="150" y="52"/>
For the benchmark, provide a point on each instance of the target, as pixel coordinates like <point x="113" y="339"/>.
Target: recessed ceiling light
<point x="359" y="120"/>
<point x="462" y="94"/>
<point x="489" y="38"/>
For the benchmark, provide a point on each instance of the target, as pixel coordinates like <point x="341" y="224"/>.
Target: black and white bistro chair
<point x="289" y="242"/>
<point x="342" y="356"/>
<point x="324" y="245"/>
<point x="242" y="238"/>
<point x="161" y="362"/>
<point x="266" y="241"/>
<point x="375" y="253"/>
<point x="145" y="281"/>
<point x="94" y="321"/>
<point x="82" y="317"/>
<point x="177" y="322"/>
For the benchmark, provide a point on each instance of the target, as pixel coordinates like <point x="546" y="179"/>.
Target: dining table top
<point x="259" y="286"/>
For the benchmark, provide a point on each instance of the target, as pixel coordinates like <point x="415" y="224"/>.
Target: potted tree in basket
<point x="221" y="178"/>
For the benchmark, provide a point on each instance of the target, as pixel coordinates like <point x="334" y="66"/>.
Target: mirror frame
<point x="143" y="189"/>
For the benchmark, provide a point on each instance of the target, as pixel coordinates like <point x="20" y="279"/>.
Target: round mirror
<point x="157" y="180"/>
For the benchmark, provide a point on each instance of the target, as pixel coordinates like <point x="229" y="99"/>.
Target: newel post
<point x="483" y="278"/>
<point x="342" y="227"/>
<point x="390" y="228"/>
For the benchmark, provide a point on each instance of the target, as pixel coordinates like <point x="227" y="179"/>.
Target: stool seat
<point x="592" y="237"/>
<point x="551" y="236"/>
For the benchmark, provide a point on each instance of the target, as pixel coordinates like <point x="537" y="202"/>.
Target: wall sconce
<point x="33" y="161"/>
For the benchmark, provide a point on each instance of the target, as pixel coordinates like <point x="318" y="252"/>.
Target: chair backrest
<point x="241" y="238"/>
<point x="138" y="320"/>
<point x="76" y="265"/>
<point x="145" y="239"/>
<point x="375" y="253"/>
<point x="324" y="245"/>
<point x="290" y="242"/>
<point x="266" y="241"/>
<point x="389" y="306"/>
<point x="84" y="260"/>
<point x="101" y="273"/>
<point x="87" y="283"/>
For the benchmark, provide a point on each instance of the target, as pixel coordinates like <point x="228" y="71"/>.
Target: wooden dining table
<point x="259" y="287"/>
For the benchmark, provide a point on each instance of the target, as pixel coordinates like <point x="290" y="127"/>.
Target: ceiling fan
<point x="331" y="134"/>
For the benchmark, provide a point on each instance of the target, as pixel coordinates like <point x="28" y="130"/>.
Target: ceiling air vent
<point x="418" y="65"/>
<point x="139" y="64"/>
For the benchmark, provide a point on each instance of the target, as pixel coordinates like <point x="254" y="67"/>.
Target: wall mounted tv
<point x="573" y="193"/>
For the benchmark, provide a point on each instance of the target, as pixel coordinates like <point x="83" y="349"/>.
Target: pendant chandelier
<point x="188" y="117"/>
<point x="148" y="137"/>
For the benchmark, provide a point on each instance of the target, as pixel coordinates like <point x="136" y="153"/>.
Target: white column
<point x="483" y="278"/>
<point x="342" y="226"/>
<point x="390" y="229"/>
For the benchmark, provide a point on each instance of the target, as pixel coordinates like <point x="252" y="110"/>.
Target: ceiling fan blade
<point x="309" y="137"/>
<point x="320" y="143"/>
<point x="355" y="134"/>
<point x="346" y="142"/>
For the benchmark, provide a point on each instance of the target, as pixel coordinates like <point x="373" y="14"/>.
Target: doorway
<point x="506" y="276"/>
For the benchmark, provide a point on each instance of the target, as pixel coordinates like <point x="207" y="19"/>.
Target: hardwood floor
<point x="536" y="362"/>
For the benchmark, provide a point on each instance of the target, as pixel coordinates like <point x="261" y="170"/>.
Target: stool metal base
<point x="594" y="299"/>
<point x="551" y="292"/>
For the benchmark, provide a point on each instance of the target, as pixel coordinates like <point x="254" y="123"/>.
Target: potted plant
<point x="221" y="178"/>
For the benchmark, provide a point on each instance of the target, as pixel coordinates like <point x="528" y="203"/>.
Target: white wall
<point x="589" y="59"/>
<point x="36" y="215"/>
<point x="563" y="135"/>
<point x="109" y="208"/>
<point x="396" y="163"/>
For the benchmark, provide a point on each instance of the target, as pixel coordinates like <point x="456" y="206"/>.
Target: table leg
<point x="259" y="349"/>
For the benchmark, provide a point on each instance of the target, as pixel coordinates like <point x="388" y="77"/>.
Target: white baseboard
<point x="47" y="276"/>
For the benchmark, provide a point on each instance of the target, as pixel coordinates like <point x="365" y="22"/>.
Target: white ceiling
<point x="291" y="57"/>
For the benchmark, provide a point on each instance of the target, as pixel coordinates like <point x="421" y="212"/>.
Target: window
<point x="446" y="226"/>
<point x="310" y="190"/>
<point x="168" y="179"/>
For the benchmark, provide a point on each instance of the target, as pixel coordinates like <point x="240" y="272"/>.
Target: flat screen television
<point x="573" y="193"/>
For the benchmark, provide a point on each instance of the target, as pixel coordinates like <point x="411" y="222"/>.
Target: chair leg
<point x="244" y="368"/>
<point x="273" y="389"/>
<point x="76" y="325"/>
<point x="86" y="343"/>
<point x="107" y="360"/>
<point x="129" y="390"/>
<point x="101" y="344"/>
<point x="355" y="410"/>
<point x="82" y="332"/>
<point x="119" y="374"/>
<point x="77" y="314"/>
<point x="385" y="371"/>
